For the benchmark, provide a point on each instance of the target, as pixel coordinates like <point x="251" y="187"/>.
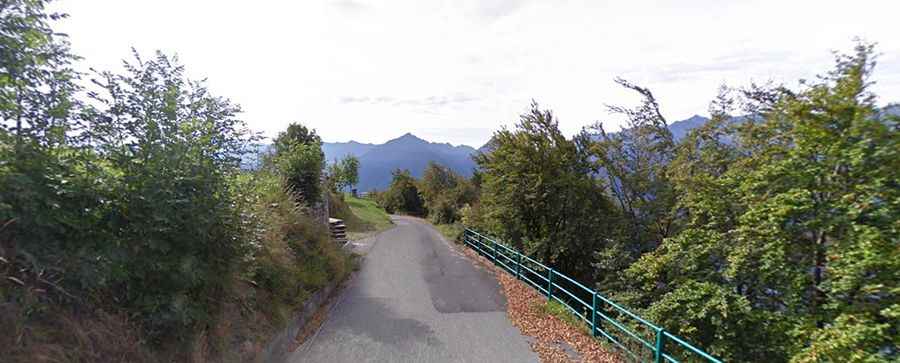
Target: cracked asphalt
<point x="415" y="299"/>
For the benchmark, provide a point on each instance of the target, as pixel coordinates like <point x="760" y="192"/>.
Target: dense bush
<point x="402" y="196"/>
<point x="792" y="219"/>
<point x="444" y="193"/>
<point x="124" y="217"/>
<point x="174" y="232"/>
<point x="770" y="236"/>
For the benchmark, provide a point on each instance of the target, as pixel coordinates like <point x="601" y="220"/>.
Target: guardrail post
<point x="594" y="316"/>
<point x="494" y="244"/>
<point x="550" y="284"/>
<point x="518" y="265"/>
<point x="660" y="343"/>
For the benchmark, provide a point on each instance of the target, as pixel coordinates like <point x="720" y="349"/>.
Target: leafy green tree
<point x="296" y="133"/>
<point x="402" y="196"/>
<point x="41" y="167"/>
<point x="791" y="228"/>
<point x="350" y="167"/>
<point x="36" y="75"/>
<point x="538" y="192"/>
<point x="172" y="149"/>
<point x="300" y="160"/>
<point x="445" y="193"/>
<point x="343" y="173"/>
<point x="634" y="162"/>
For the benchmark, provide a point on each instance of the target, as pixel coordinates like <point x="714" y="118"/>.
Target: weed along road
<point x="417" y="300"/>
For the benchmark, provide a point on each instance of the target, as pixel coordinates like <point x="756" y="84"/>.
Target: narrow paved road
<point x="417" y="300"/>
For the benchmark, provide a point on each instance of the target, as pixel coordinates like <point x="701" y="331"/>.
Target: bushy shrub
<point x="125" y="220"/>
<point x="402" y="196"/>
<point x="299" y="160"/>
<point x="444" y="192"/>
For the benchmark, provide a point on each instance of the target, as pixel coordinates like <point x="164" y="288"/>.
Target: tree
<point x="40" y="162"/>
<point x="37" y="79"/>
<point x="350" y="166"/>
<point x="538" y="192"/>
<point x="445" y="193"/>
<point x="169" y="149"/>
<point x="402" y="196"/>
<point x="634" y="162"/>
<point x="343" y="173"/>
<point x="300" y="160"/>
<point x="791" y="228"/>
<point x="296" y="133"/>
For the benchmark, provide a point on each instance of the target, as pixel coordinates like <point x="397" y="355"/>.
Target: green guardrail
<point x="640" y="339"/>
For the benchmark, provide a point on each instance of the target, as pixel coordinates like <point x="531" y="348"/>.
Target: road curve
<point x="415" y="299"/>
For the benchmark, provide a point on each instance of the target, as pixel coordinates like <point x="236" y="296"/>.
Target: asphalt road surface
<point x="415" y="299"/>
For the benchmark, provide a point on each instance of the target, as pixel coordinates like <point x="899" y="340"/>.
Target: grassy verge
<point x="362" y="216"/>
<point x="369" y="212"/>
<point x="452" y="232"/>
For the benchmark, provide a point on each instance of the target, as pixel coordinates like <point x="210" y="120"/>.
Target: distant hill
<point x="680" y="129"/>
<point x="338" y="150"/>
<point x="376" y="162"/>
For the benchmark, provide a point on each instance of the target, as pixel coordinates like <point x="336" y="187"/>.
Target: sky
<point x="457" y="70"/>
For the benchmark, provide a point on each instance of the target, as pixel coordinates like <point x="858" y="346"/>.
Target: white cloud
<point x="453" y="71"/>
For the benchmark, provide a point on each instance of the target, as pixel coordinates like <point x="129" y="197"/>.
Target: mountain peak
<point x="696" y="118"/>
<point x="408" y="139"/>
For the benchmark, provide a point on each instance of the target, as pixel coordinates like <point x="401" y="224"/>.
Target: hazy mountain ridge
<point x="408" y="151"/>
<point x="339" y="150"/>
<point x="377" y="161"/>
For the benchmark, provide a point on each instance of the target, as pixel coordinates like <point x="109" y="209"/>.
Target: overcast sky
<point x="454" y="71"/>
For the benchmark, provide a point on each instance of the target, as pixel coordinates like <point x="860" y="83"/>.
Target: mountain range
<point x="377" y="161"/>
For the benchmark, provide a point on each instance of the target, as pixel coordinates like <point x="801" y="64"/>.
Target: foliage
<point x="124" y="219"/>
<point x="296" y="133"/>
<point x="791" y="227"/>
<point x="634" y="163"/>
<point x="36" y="75"/>
<point x="343" y="173"/>
<point x="293" y="255"/>
<point x="452" y="232"/>
<point x="171" y="222"/>
<point x="444" y="193"/>
<point x="403" y="195"/>
<point x="300" y="160"/>
<point x="538" y="191"/>
<point x="783" y="220"/>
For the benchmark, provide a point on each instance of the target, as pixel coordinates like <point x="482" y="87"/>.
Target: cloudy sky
<point x="455" y="70"/>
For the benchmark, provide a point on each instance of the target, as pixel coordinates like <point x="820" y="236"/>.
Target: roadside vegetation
<point x="441" y="195"/>
<point x="769" y="234"/>
<point x="362" y="216"/>
<point x="128" y="231"/>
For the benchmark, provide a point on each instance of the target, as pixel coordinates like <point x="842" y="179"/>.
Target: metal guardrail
<point x="639" y="338"/>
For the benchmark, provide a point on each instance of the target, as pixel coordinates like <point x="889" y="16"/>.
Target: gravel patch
<point x="551" y="338"/>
